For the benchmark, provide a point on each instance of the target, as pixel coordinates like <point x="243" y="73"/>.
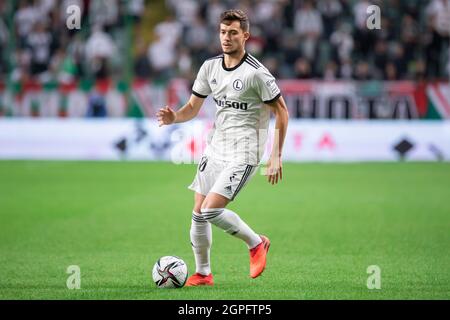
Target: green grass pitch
<point x="327" y="224"/>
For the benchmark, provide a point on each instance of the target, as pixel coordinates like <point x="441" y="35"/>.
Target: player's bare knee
<point x="214" y="200"/>
<point x="198" y="209"/>
<point x="208" y="204"/>
<point x="198" y="202"/>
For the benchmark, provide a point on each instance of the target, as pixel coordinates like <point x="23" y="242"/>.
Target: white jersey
<point x="242" y="118"/>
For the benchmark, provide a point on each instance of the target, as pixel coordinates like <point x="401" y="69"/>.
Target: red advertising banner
<point x="305" y="99"/>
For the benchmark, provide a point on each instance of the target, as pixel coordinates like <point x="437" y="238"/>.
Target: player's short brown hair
<point x="231" y="15"/>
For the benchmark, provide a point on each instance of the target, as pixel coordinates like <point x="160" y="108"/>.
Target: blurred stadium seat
<point x="132" y="56"/>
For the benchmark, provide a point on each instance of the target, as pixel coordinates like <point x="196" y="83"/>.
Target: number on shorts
<point x="203" y="163"/>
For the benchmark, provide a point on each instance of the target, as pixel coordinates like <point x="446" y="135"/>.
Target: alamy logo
<point x="374" y="19"/>
<point x="74" y="280"/>
<point x="238" y="85"/>
<point x="374" y="279"/>
<point x="73" y="20"/>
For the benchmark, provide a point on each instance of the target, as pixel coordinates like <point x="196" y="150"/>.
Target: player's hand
<point x="165" y="116"/>
<point x="274" y="170"/>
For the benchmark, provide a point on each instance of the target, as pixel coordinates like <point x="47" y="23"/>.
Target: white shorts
<point x="222" y="177"/>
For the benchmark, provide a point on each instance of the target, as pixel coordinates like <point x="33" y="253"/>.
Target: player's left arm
<point x="274" y="165"/>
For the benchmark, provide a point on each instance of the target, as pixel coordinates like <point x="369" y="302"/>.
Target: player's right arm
<point x="189" y="111"/>
<point x="200" y="91"/>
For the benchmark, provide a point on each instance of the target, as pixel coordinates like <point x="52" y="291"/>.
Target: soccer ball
<point x="170" y="272"/>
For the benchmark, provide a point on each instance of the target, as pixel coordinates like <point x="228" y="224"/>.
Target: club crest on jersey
<point x="238" y="85"/>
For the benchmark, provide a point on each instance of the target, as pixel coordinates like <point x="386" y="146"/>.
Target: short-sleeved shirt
<point x="242" y="116"/>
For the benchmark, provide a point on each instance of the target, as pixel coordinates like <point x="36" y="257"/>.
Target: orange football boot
<point x="198" y="279"/>
<point x="258" y="257"/>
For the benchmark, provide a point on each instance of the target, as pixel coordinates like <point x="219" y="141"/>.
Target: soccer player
<point x="244" y="92"/>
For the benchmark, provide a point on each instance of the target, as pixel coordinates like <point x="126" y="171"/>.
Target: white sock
<point x="201" y="240"/>
<point x="231" y="223"/>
